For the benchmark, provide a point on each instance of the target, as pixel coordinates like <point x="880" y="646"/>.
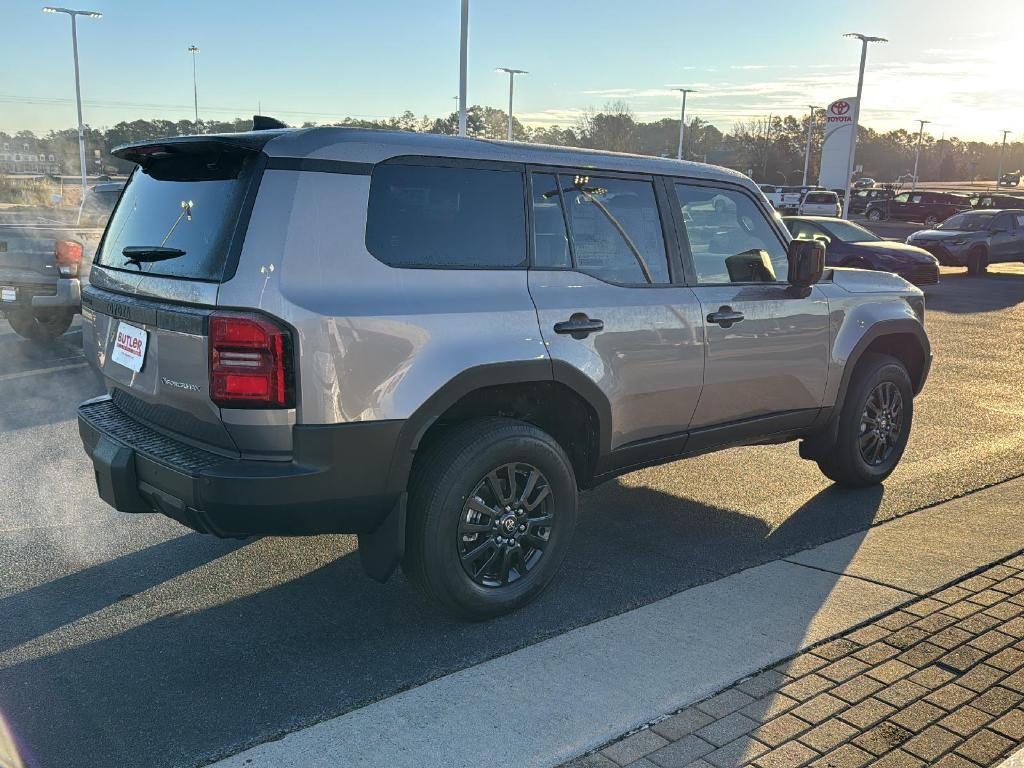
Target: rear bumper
<point x="68" y="296"/>
<point x="335" y="483"/>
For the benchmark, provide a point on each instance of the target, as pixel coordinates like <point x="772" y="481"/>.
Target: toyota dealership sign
<point x="835" y="150"/>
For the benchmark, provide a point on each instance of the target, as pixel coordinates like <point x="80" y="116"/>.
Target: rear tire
<point x="464" y="498"/>
<point x="874" y="215"/>
<point x="44" y="328"/>
<point x="977" y="261"/>
<point x="874" y="423"/>
<point x="931" y="221"/>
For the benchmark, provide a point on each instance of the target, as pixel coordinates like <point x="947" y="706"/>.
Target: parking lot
<point x="129" y="640"/>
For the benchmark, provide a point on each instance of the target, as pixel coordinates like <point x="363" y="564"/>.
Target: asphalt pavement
<point x="128" y="640"/>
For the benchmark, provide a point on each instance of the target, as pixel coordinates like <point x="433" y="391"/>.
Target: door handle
<point x="579" y="326"/>
<point x="725" y="317"/>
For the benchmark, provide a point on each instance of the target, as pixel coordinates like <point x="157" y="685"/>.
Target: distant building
<point x="20" y="155"/>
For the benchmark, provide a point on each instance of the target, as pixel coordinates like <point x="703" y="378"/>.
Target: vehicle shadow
<point x="43" y="383"/>
<point x="960" y="293"/>
<point x="195" y="684"/>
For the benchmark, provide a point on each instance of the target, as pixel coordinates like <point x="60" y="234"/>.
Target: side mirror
<point x="806" y="264"/>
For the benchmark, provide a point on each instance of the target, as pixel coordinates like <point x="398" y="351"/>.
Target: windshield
<point x="190" y="203"/>
<point x="968" y="222"/>
<point x="848" y="232"/>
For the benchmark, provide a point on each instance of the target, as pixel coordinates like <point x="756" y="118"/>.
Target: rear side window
<point x="433" y="216"/>
<point x="187" y="202"/>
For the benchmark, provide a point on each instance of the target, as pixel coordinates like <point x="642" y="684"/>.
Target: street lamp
<point x="463" y="56"/>
<point x="864" y="40"/>
<point x="682" y="120"/>
<point x="195" y="88"/>
<point x="78" y="85"/>
<point x="917" y="151"/>
<point x="810" y="129"/>
<point x="999" y="173"/>
<point x="511" y="79"/>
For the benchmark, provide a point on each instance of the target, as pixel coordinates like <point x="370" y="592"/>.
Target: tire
<point x="931" y="221"/>
<point x="977" y="261"/>
<point x="874" y="215"/>
<point x="452" y="474"/>
<point x="876" y="381"/>
<point x="44" y="328"/>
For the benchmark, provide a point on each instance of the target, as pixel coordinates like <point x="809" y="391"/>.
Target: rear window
<point x="188" y="202"/>
<point x="821" y="197"/>
<point x="434" y="216"/>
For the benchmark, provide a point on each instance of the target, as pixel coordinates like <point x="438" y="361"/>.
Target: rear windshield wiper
<point x="137" y="254"/>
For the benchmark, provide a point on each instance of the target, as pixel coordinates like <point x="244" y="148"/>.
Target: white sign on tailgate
<point x="129" y="347"/>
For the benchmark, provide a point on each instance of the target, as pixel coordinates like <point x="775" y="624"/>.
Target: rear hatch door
<point x="172" y="239"/>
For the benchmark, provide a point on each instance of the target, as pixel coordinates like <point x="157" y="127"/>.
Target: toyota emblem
<point x="841" y="107"/>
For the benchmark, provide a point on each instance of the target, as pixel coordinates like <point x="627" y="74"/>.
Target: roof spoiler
<point x="266" y="123"/>
<point x="145" y="153"/>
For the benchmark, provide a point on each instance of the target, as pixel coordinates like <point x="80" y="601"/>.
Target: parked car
<point x="820" y="204"/>
<point x="984" y="201"/>
<point x="773" y="194"/>
<point x="975" y="239"/>
<point x="1010" y="179"/>
<point x="369" y="332"/>
<point x="792" y="197"/>
<point x="924" y="206"/>
<point x="863" y="182"/>
<point x="40" y="280"/>
<point x="861" y="198"/>
<point x="98" y="203"/>
<point x="850" y="245"/>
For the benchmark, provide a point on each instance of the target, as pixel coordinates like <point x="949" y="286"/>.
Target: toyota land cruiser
<point x="436" y="343"/>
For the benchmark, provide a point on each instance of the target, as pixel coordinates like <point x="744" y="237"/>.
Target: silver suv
<point x="436" y="343"/>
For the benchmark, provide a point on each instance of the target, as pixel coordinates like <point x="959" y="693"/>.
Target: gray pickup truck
<point x="41" y="269"/>
<point x="437" y="343"/>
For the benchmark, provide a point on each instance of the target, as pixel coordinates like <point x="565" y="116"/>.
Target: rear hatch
<point x="27" y="258"/>
<point x="173" y="238"/>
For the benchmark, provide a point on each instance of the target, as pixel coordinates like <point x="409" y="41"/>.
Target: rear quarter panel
<point x="374" y="342"/>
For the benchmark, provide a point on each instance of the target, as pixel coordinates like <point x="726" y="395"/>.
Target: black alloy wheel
<point x="881" y="424"/>
<point x="505" y="525"/>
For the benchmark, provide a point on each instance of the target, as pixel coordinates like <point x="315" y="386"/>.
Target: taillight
<point x="250" y="363"/>
<point x="69" y="257"/>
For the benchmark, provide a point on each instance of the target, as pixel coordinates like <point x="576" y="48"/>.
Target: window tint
<point x="188" y="202"/>
<point x="615" y="225"/>
<point x="550" y="241"/>
<point x="821" y="197"/>
<point x="916" y="198"/>
<point x="902" y="198"/>
<point x="1003" y="221"/>
<point x="730" y="238"/>
<point x="431" y="216"/>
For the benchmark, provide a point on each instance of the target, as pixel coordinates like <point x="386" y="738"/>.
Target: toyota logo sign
<point x="841" y="107"/>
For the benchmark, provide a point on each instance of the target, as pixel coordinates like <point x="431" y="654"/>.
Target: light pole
<point x="463" y="55"/>
<point x="810" y="130"/>
<point x="682" y="121"/>
<point x="917" y="151"/>
<point x="78" y="84"/>
<point x="511" y="79"/>
<point x="195" y="87"/>
<point x="999" y="173"/>
<point x="864" y="40"/>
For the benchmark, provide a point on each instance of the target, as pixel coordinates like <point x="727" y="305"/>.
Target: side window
<point x="902" y="198"/>
<point x="915" y="199"/>
<point x="550" y="239"/>
<point x="615" y="229"/>
<point x="1003" y="221"/>
<point x="803" y="230"/>
<point x="1020" y="220"/>
<point x="730" y="239"/>
<point x="433" y="216"/>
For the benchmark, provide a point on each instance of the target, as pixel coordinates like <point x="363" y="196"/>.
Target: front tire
<point x="874" y="215"/>
<point x="977" y="261"/>
<point x="931" y="221"/>
<point x="874" y="423"/>
<point x="44" y="328"/>
<point x="492" y="510"/>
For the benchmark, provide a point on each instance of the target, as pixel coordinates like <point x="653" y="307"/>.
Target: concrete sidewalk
<point x="565" y="696"/>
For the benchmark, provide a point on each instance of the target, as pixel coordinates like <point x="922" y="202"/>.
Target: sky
<point x="322" y="61"/>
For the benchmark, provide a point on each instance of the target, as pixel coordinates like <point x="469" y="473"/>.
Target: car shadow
<point x="202" y="681"/>
<point x="960" y="293"/>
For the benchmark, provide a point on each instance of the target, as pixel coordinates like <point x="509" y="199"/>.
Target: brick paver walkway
<point x="937" y="682"/>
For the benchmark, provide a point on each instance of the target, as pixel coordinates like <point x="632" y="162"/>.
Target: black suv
<point x="927" y="207"/>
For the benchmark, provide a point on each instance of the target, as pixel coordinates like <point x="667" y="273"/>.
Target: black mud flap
<point x="115" y="476"/>
<point x="381" y="551"/>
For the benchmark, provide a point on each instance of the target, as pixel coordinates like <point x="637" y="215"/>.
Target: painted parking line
<point x="557" y="699"/>
<point x="41" y="371"/>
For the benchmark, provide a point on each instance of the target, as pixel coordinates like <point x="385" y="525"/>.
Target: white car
<point x="820" y="204"/>
<point x="773" y="193"/>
